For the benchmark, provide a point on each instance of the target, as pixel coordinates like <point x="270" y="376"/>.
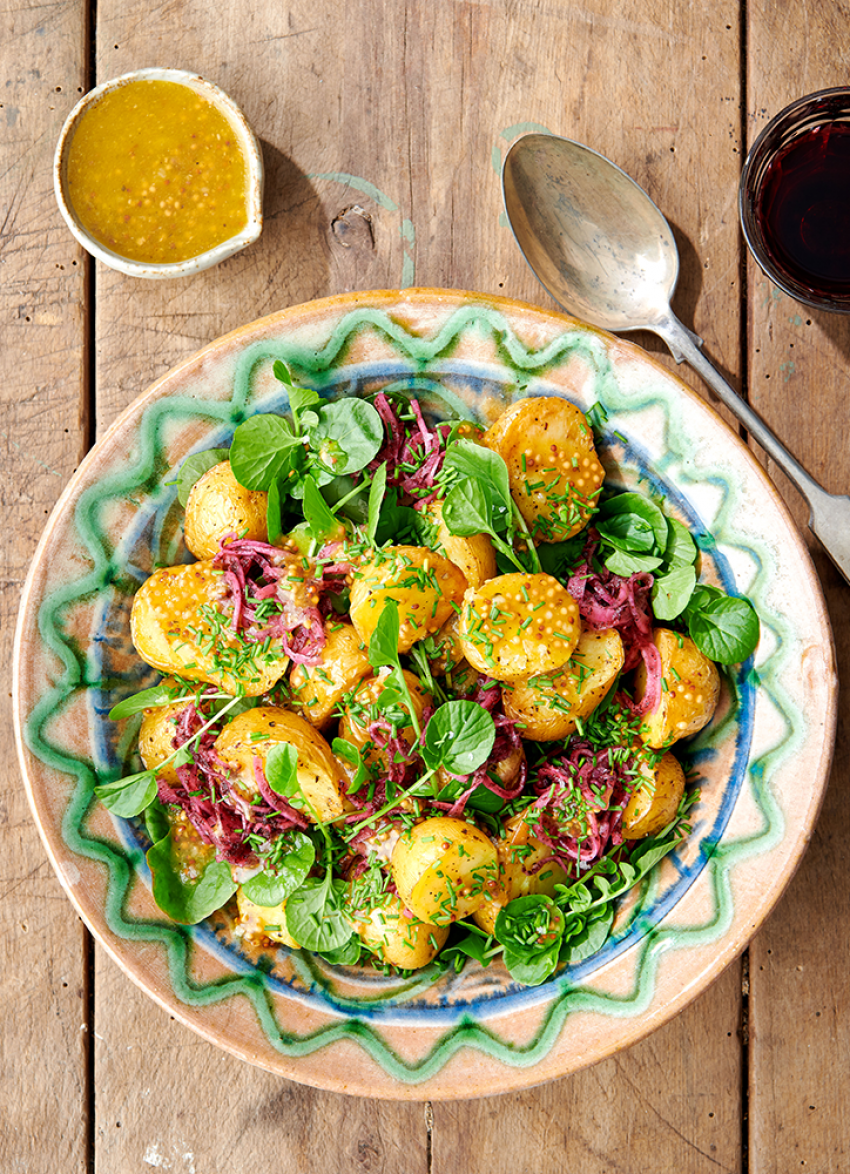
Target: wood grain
<point x="43" y="1040"/>
<point x="799" y="1113"/>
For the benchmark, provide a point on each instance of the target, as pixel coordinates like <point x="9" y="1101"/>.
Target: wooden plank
<point x="799" y="1116"/>
<point x="381" y="147"/>
<point x="43" y="1041"/>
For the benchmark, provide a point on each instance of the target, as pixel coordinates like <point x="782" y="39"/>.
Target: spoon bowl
<point x="603" y="250"/>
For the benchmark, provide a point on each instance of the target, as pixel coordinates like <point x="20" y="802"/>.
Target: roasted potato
<point x="268" y="921"/>
<point x="444" y="869"/>
<point x="689" y="692"/>
<point x="474" y="556"/>
<point x="361" y="710"/>
<point x="546" y="708"/>
<point x="318" y="689"/>
<point x="156" y="736"/>
<point x="520" y="853"/>
<point x="425" y="585"/>
<point x="253" y="733"/>
<point x="177" y="625"/>
<point x="555" y="474"/>
<point x="218" y="505"/>
<point x="518" y="626"/>
<point x="398" y="938"/>
<point x="655" y="801"/>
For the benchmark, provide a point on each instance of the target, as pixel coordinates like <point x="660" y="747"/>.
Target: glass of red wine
<point x="794" y="200"/>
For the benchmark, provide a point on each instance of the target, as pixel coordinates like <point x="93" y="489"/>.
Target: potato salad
<point x="423" y="686"/>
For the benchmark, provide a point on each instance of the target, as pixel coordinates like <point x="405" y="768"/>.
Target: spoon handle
<point x="829" y="514"/>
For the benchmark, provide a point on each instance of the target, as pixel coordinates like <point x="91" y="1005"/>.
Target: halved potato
<point x="474" y="556"/>
<point x="360" y="711"/>
<point x="555" y="474"/>
<point x="518" y="626"/>
<point x="181" y="624"/>
<point x="268" y="921"/>
<point x="689" y="692"/>
<point x="398" y="938"/>
<point x="546" y="708"/>
<point x="156" y="736"/>
<point x="655" y="801"/>
<point x="218" y="505"/>
<point x="318" y="689"/>
<point x="425" y="585"/>
<point x="444" y="869"/>
<point x="520" y="854"/>
<point x="252" y="734"/>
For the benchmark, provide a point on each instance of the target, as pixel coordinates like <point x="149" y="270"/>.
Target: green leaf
<point x="320" y="518"/>
<point x="473" y="945"/>
<point x="194" y="467"/>
<point x="301" y="398"/>
<point x="725" y="629"/>
<point x="467" y="510"/>
<point x="187" y="901"/>
<point x="377" y="490"/>
<point x="589" y="936"/>
<point x="282" y="772"/>
<point x="342" y="748"/>
<point x="671" y="592"/>
<point x="560" y="559"/>
<point x="530" y="929"/>
<point x="146" y="699"/>
<point x="345" y="955"/>
<point x="383" y="643"/>
<point x="156" y="821"/>
<point x="681" y="549"/>
<point x="459" y="737"/>
<point x="315" y="915"/>
<point x="282" y="372"/>
<point x="262" y="451"/>
<point x="274" y="511"/>
<point x="628" y="532"/>
<point x="128" y="796"/>
<point x="467" y="460"/>
<point x="282" y="876"/>
<point x="630" y="564"/>
<point x="642" y="507"/>
<point x="348" y="435"/>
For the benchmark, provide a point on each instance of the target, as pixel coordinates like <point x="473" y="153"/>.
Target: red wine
<point x="803" y="209"/>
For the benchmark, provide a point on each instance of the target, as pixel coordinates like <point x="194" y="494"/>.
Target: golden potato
<point x="180" y="623"/>
<point x="519" y="855"/>
<point x="474" y="556"/>
<point x="361" y="710"/>
<point x="400" y="940"/>
<point x="268" y="921"/>
<point x="518" y="626"/>
<point x="656" y="799"/>
<point x="253" y="733"/>
<point x="555" y="474"/>
<point x="425" y="585"/>
<point x="218" y="505"/>
<point x="444" y="869"/>
<point x="689" y="692"/>
<point x="156" y="735"/>
<point x="318" y="689"/>
<point x="546" y="708"/>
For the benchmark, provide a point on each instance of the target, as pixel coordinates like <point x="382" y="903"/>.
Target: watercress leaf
<point x="625" y="564"/>
<point x="261" y="452"/>
<point x="282" y="372"/>
<point x="342" y="748"/>
<point x="590" y="938"/>
<point x="156" y="821"/>
<point x="472" y="945"/>
<point x="483" y="799"/>
<point x="348" y="435"/>
<point x="128" y="796"/>
<point x="315" y="915"/>
<point x="282" y="771"/>
<point x="187" y="901"/>
<point x="300" y="399"/>
<point x="194" y="467"/>
<point x="323" y="523"/>
<point x="467" y="510"/>
<point x="681" y="549"/>
<point x="383" y="643"/>
<point x="642" y="507"/>
<point x="347" y="954"/>
<point x="703" y="594"/>
<point x="466" y="459"/>
<point x="401" y="524"/>
<point x="355" y="508"/>
<point x="274" y="511"/>
<point x="628" y="532"/>
<point x="560" y="559"/>
<point x="725" y="630"/>
<point x="275" y="883"/>
<point x="377" y="490"/>
<point x="531" y="969"/>
<point x="459" y="737"/>
<point x="146" y="699"/>
<point x="671" y="592"/>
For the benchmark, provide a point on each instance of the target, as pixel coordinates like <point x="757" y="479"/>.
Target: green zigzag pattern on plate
<point x="175" y="939"/>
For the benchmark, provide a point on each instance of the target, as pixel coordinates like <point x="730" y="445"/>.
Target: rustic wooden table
<point x="383" y="125"/>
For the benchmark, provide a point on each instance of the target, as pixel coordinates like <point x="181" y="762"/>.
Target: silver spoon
<point x="604" y="251"/>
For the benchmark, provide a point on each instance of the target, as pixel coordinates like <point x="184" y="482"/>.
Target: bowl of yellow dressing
<point x="158" y="174"/>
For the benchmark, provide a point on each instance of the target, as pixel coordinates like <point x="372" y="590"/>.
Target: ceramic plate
<point x="762" y="763"/>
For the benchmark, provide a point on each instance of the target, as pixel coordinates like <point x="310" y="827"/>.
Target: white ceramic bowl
<point x="247" y="140"/>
